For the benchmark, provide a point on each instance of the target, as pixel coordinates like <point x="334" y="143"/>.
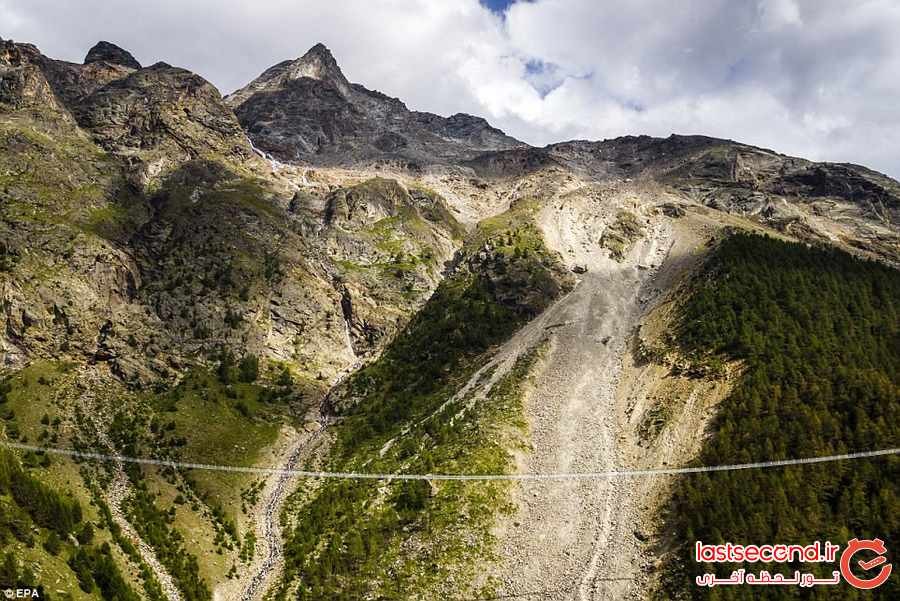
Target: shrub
<point x="249" y="368"/>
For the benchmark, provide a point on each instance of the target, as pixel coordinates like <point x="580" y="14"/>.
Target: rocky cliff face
<point x="844" y="204"/>
<point x="155" y="118"/>
<point x="162" y="116"/>
<point x="23" y="82"/>
<point x="171" y="241"/>
<point x="306" y="110"/>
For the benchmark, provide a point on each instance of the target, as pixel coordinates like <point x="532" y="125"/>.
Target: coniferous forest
<point x="31" y="511"/>
<point x="817" y="337"/>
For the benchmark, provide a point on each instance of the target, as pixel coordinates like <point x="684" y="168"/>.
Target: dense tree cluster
<point x="96" y="570"/>
<point x="477" y="307"/>
<point x="45" y="506"/>
<point x="25" y="503"/>
<point x="817" y="333"/>
<point x="460" y="321"/>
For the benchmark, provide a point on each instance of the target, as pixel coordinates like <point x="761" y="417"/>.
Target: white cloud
<point x="816" y="78"/>
<point x="775" y="14"/>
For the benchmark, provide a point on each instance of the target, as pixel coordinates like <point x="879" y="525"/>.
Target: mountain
<point x="158" y="117"/>
<point x="860" y="207"/>
<point x="306" y="274"/>
<point x="305" y="109"/>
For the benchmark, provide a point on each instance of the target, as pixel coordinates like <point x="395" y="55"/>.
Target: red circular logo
<point x="876" y="546"/>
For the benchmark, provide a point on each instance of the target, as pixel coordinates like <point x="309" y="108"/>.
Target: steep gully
<point x="573" y="421"/>
<point x="265" y="566"/>
<point x="567" y="537"/>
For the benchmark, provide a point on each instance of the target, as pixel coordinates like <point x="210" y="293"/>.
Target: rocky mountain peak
<point x="110" y="53"/>
<point x="318" y="63"/>
<point x="306" y="110"/>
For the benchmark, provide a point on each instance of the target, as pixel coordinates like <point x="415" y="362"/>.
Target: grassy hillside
<point x="194" y="520"/>
<point x="47" y="539"/>
<point x="161" y="294"/>
<point x="402" y="540"/>
<point x="818" y="335"/>
<point x="45" y="498"/>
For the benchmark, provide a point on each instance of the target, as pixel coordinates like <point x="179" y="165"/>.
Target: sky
<point x="812" y="78"/>
<point x="498" y="6"/>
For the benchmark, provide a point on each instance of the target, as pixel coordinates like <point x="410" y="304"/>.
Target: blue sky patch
<point x="543" y="76"/>
<point x="497" y="6"/>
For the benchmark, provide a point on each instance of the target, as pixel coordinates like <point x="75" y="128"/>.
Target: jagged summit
<point x="306" y="110"/>
<point x="110" y="53"/>
<point x="318" y="63"/>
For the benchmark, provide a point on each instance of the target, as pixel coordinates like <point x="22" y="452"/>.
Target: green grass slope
<point x="403" y="540"/>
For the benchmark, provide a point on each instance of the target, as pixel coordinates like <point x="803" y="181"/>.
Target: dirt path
<point x="117" y="491"/>
<point x="563" y="538"/>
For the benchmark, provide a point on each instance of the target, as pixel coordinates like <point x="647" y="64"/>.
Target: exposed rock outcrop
<point x="163" y="116"/>
<point x="23" y="83"/>
<point x="110" y="53"/>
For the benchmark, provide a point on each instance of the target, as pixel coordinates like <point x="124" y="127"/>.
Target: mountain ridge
<point x="350" y="123"/>
<point x="309" y="273"/>
<point x="319" y="64"/>
<point x="167" y="126"/>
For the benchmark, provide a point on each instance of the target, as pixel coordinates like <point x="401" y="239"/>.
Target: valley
<point x="306" y="274"/>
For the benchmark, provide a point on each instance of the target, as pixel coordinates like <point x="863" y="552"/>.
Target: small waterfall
<point x="273" y="162"/>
